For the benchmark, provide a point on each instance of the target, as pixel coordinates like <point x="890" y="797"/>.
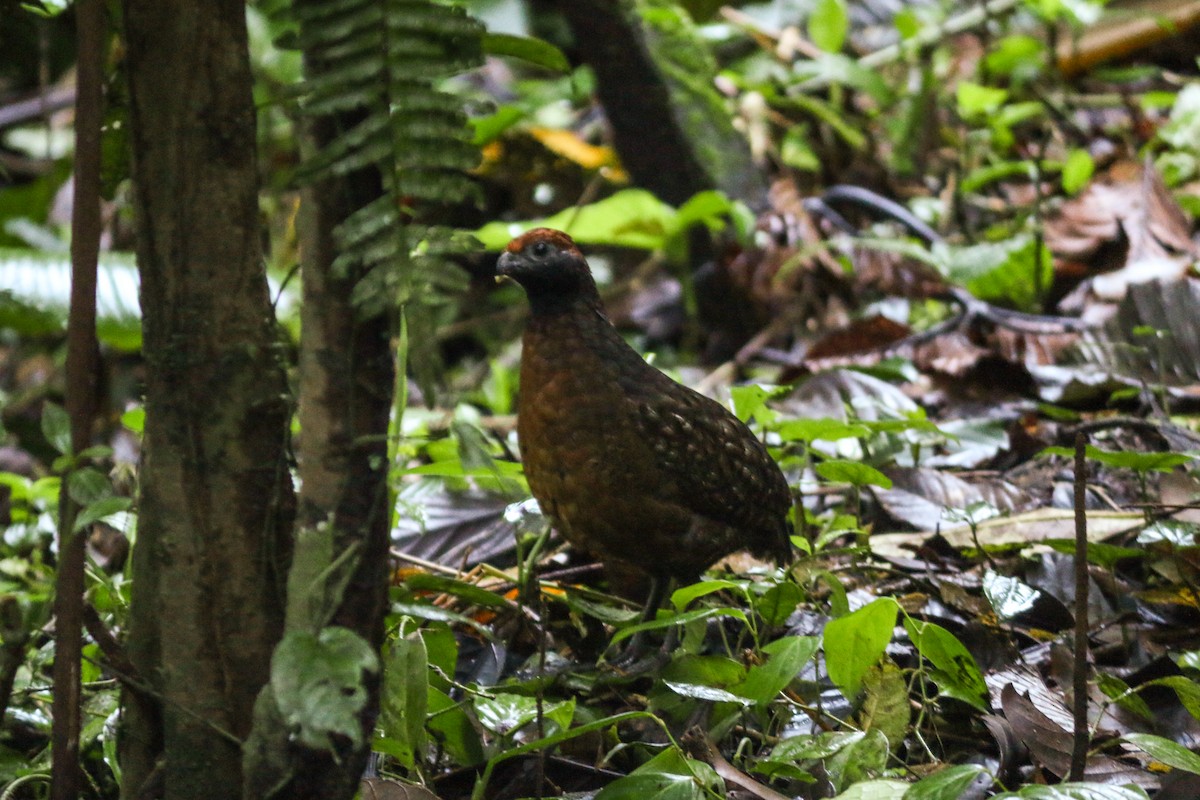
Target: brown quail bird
<point x="642" y="472"/>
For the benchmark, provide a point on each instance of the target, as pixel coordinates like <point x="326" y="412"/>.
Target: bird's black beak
<point x="507" y="266"/>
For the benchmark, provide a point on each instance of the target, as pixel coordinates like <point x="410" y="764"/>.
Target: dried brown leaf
<point x="1042" y="721"/>
<point x="1126" y="225"/>
<point x="921" y="497"/>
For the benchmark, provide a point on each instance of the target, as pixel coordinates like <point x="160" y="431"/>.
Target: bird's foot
<point x="634" y="660"/>
<point x="635" y="665"/>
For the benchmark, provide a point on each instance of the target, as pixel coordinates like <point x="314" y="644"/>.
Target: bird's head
<point x="551" y="269"/>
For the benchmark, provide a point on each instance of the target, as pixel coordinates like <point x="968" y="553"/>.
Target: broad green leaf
<point x="455" y="468"/>
<point x="87" y="485"/>
<point x="1138" y="462"/>
<point x="785" y="658"/>
<point x="453" y="728"/>
<point x="854" y="473"/>
<point x="824" y="429"/>
<point x="1077" y="171"/>
<point x="544" y="743"/>
<point x="505" y="713"/>
<point x="950" y="783"/>
<point x="907" y="23"/>
<point x="670" y="775"/>
<point x="709" y="208"/>
<point x="1011" y="271"/>
<point x="135" y="419"/>
<point x="1014" y="113"/>
<point x="839" y="604"/>
<point x="101" y="509"/>
<point x="1187" y="659"/>
<point x="1186" y="689"/>
<point x="317" y="578"/>
<point x="777" y="603"/>
<point x="712" y="694"/>
<point x="1182" y="130"/>
<point x="981" y="177"/>
<point x="1168" y="752"/>
<point x="914" y="421"/>
<point x="601" y="611"/>
<point x="1099" y="553"/>
<point x="882" y="789"/>
<point x="797" y="153"/>
<point x="751" y="400"/>
<point x="837" y="68"/>
<point x="975" y="100"/>
<point x="441" y="649"/>
<point x="527" y="48"/>
<point x="1119" y="692"/>
<point x="810" y="747"/>
<point x="828" y="24"/>
<point x="428" y="582"/>
<point x="1017" y="54"/>
<point x="56" y="427"/>
<point x="630" y="218"/>
<point x="431" y="612"/>
<point x="404" y="701"/>
<point x="864" y="760"/>
<point x="318" y="682"/>
<point x="954" y="668"/>
<point x="856" y="642"/>
<point x="489" y="127"/>
<point x="680" y="619"/>
<point x="47" y="9"/>
<point x="713" y="671"/>
<point x="682" y="597"/>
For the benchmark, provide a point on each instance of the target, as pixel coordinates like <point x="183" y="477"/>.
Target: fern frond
<point x="379" y="63"/>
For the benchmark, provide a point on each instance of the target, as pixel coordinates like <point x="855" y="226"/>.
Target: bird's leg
<point x="658" y="593"/>
<point x="631" y="659"/>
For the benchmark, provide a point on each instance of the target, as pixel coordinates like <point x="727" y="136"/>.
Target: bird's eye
<point x="540" y="249"/>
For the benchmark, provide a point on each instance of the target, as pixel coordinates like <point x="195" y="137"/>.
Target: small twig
<point x="699" y="745"/>
<point x="1080" y="669"/>
<point x="431" y="566"/>
<point x="46" y="102"/>
<point x="930" y="34"/>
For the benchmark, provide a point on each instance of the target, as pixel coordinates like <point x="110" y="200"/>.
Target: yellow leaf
<point x="570" y="146"/>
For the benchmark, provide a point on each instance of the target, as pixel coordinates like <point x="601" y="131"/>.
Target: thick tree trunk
<point x="216" y="499"/>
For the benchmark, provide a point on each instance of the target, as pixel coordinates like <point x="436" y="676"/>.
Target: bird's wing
<point x="709" y="461"/>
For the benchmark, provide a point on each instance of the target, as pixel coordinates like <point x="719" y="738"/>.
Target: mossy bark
<point x="216" y="499"/>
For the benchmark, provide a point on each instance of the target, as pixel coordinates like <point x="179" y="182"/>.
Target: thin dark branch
<point x="1079" y="749"/>
<point x="44" y="103"/>
<point x="12" y="651"/>
<point x="82" y="352"/>
<point x="114" y="653"/>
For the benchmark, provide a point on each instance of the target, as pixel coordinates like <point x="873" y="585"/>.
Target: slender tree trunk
<point x="81" y="395"/>
<point x="216" y="500"/>
<point x="346" y="381"/>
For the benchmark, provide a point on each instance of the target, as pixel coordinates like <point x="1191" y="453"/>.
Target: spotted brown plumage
<point x="629" y="465"/>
